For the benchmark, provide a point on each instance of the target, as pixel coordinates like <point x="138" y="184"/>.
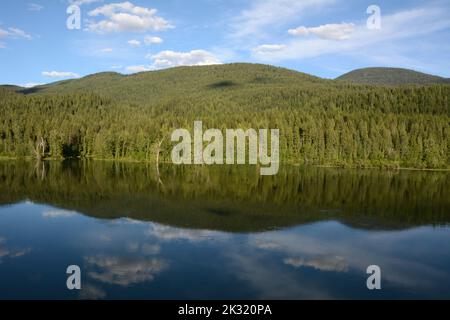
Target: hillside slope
<point x="391" y="76"/>
<point x="201" y="80"/>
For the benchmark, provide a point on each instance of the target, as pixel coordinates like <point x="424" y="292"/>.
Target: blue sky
<point x="321" y="37"/>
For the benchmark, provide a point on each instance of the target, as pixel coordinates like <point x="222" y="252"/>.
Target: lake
<point x="221" y="232"/>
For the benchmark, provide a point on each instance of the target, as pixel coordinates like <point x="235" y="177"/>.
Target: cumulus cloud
<point x="139" y="68"/>
<point x="123" y="271"/>
<point x="107" y="50"/>
<point x="31" y="85"/>
<point x="35" y="7"/>
<point x="421" y="21"/>
<point x="268" y="48"/>
<point x="168" y="59"/>
<point x="60" y="74"/>
<point x="152" y="40"/>
<point x="334" y="31"/>
<point x="253" y="22"/>
<point x="126" y="17"/>
<point x="134" y="43"/>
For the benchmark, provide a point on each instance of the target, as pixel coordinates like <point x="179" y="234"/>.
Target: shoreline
<point x="7" y="158"/>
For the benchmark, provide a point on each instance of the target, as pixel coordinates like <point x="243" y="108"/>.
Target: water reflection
<point x="221" y="233"/>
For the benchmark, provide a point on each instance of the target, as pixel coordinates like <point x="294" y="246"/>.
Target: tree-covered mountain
<point x="205" y="80"/>
<point x="391" y="76"/>
<point x="321" y="122"/>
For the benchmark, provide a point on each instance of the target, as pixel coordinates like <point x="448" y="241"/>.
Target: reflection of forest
<point x="235" y="198"/>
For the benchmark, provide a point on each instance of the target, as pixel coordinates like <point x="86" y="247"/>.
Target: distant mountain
<point x="180" y="81"/>
<point x="205" y="80"/>
<point x="391" y="76"/>
<point x="11" y="87"/>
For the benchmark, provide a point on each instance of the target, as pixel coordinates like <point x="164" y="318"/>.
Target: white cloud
<point x="152" y="40"/>
<point x="420" y="21"/>
<point x="107" y="50"/>
<point x="35" y="7"/>
<point x="31" y="85"/>
<point x="134" y="43"/>
<point x="126" y="17"/>
<point x="18" y="33"/>
<point x="269" y="48"/>
<point x="83" y="2"/>
<point x="140" y="68"/>
<point x="59" y="74"/>
<point x="14" y="33"/>
<point x="169" y="59"/>
<point x="263" y="15"/>
<point x="341" y="31"/>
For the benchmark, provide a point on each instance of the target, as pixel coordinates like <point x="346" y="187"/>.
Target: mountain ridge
<point x="223" y="76"/>
<point x="391" y="76"/>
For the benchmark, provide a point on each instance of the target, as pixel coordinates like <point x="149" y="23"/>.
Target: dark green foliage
<point x="391" y="76"/>
<point x="321" y="122"/>
<point x="232" y="198"/>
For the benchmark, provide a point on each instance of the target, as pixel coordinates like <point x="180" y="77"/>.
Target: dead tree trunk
<point x="39" y="150"/>
<point x="158" y="151"/>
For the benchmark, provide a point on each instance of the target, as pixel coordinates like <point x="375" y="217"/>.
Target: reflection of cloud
<point x="11" y="253"/>
<point x="132" y="247"/>
<point x="270" y="280"/>
<point x="146" y="248"/>
<point x="124" y="271"/>
<point x="150" y="249"/>
<point x="266" y="245"/>
<point x="3" y="250"/>
<point x="359" y="249"/>
<point x="323" y="263"/>
<point x="91" y="292"/>
<point x="58" y="214"/>
<point x="169" y="234"/>
<point x="129" y="221"/>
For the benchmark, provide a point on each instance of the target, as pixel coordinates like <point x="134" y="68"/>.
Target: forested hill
<point x="391" y="76"/>
<point x="201" y="80"/>
<point x="321" y="122"/>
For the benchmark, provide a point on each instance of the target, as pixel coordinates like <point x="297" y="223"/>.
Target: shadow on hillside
<point x="223" y="84"/>
<point x="30" y="90"/>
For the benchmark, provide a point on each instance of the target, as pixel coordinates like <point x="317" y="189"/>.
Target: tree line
<point x="339" y="124"/>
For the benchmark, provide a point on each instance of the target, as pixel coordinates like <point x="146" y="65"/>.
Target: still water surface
<point x="221" y="233"/>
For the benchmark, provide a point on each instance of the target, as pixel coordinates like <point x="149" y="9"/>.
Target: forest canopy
<point x="321" y="122"/>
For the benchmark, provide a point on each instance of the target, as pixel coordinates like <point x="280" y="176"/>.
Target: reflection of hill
<point x="232" y="199"/>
